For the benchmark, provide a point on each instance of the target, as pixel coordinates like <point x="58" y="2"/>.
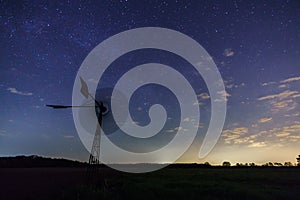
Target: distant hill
<point x="37" y="161"/>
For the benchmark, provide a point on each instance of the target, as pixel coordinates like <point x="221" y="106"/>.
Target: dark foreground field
<point x="177" y="183"/>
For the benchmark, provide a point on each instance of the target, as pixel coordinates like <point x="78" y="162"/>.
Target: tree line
<point x="268" y="164"/>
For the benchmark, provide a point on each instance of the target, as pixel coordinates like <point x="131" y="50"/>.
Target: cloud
<point x="229" y="86"/>
<point x="198" y="103"/>
<point x="294" y="137"/>
<point x="180" y="128"/>
<point x="282" y="95"/>
<point x="296" y="95"/>
<point x="199" y="126"/>
<point x="293" y="128"/>
<point x="283" y="82"/>
<point x="170" y="131"/>
<point x="15" y="91"/>
<point x="242" y="140"/>
<point x="139" y="108"/>
<point x="283" y="86"/>
<point x="264" y="120"/>
<point x="236" y="131"/>
<point x="296" y="114"/>
<point x="136" y="122"/>
<point x="253" y="140"/>
<point x="203" y="95"/>
<point x="228" y="52"/>
<point x="257" y="144"/>
<point x="268" y="83"/>
<point x="223" y="95"/>
<point x="286" y="105"/>
<point x="282" y="134"/>
<point x="3" y="132"/>
<point x="176" y="129"/>
<point x="187" y="119"/>
<point x="231" y="135"/>
<point x="282" y="101"/>
<point x="290" y="79"/>
<point x="275" y="137"/>
<point x="254" y="125"/>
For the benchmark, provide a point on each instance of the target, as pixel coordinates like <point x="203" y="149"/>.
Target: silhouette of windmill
<point x="100" y="111"/>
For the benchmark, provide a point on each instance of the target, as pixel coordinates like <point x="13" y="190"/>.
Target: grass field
<point x="215" y="183"/>
<point x="177" y="183"/>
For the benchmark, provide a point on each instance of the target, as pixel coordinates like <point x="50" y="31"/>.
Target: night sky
<point x="255" y="45"/>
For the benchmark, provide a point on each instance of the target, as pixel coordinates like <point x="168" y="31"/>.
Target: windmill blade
<point x="58" y="106"/>
<point x="62" y="106"/>
<point x="84" y="88"/>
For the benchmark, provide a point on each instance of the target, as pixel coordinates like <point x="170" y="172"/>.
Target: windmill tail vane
<point x="84" y="88"/>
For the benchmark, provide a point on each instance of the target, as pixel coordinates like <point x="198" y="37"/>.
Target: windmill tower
<point x="94" y="158"/>
<point x="100" y="109"/>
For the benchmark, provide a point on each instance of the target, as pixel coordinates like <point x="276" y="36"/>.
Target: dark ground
<point x="42" y="183"/>
<point x="169" y="183"/>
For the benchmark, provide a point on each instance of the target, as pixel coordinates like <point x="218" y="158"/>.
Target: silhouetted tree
<point x="226" y="164"/>
<point x="288" y="164"/>
<point x="268" y="164"/>
<point x="207" y="164"/>
<point x="298" y="160"/>
<point x="252" y="164"/>
<point x="277" y="164"/>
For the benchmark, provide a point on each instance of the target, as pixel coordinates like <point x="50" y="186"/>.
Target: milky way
<point x="255" y="45"/>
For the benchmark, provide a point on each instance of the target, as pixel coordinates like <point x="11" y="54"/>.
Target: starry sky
<point x="255" y="45"/>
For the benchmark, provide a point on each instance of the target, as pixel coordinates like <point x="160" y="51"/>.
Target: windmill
<point x="101" y="110"/>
